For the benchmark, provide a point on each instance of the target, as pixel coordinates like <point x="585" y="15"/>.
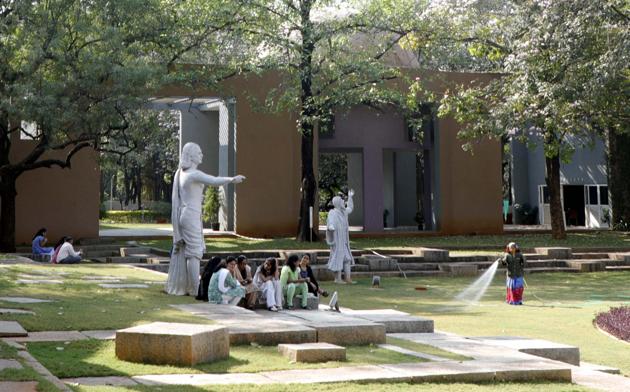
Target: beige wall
<point x="65" y="201"/>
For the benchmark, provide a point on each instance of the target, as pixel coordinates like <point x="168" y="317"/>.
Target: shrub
<point x="211" y="205"/>
<point x="616" y="322"/>
<point x="139" y="216"/>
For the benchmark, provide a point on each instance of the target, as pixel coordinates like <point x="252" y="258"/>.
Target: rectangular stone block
<point x="625" y="257"/>
<point x="11" y="329"/>
<point x="459" y="269"/>
<point x="134" y="250"/>
<point x="312" y="302"/>
<point x="430" y="254"/>
<point x="586" y="266"/>
<point x="396" y="323"/>
<point x="173" y="343"/>
<point x="381" y="264"/>
<point x="349" y="334"/>
<point x="555" y="252"/>
<point x="313" y="352"/>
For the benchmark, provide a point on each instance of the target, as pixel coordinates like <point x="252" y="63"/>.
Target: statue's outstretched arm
<point x="350" y="203"/>
<point x="207" y="179"/>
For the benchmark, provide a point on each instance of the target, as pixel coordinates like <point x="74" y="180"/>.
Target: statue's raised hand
<point x="351" y="193"/>
<point x="238" y="179"/>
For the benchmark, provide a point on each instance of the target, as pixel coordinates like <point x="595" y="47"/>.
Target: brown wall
<point x="268" y="154"/>
<point x="65" y="201"/>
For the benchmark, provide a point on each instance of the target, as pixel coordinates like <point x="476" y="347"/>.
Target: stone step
<point x="618" y="268"/>
<point x="91" y="254"/>
<point x="133" y="251"/>
<point x="550" y="269"/>
<point x="419" y="266"/>
<point x="545" y="263"/>
<point x="591" y="255"/>
<point x="140" y="258"/>
<point x="96" y="241"/>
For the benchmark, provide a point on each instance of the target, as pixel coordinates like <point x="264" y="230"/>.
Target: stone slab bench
<point x="459" y="269"/>
<point x="538" y="347"/>
<point x="555" y="252"/>
<point x="586" y="265"/>
<point x="337" y="328"/>
<point x="40" y="258"/>
<point x="173" y="343"/>
<point x="430" y="254"/>
<point x="312" y="302"/>
<point x="394" y="321"/>
<point x="10" y="329"/>
<point x="624" y="257"/>
<point x="377" y="263"/>
<point x="312" y="352"/>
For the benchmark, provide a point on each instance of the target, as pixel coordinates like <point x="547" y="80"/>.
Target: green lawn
<point x="25" y="374"/>
<point x="565" y="314"/>
<point x="347" y="387"/>
<point x="559" y="307"/>
<point x="97" y="358"/>
<point x="82" y="305"/>
<point x="496" y="242"/>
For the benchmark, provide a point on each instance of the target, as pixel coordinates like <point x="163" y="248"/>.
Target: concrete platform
<point x="459" y="269"/>
<point x="538" y="347"/>
<point x="431" y="254"/>
<point x="394" y="320"/>
<point x="586" y="265"/>
<point x="173" y="343"/>
<point x="313" y="352"/>
<point x="11" y="329"/>
<point x="555" y="252"/>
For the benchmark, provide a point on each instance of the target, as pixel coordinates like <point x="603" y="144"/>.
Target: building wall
<point x="405" y="188"/>
<point x="587" y="166"/>
<point x="202" y="128"/>
<point x="65" y="201"/>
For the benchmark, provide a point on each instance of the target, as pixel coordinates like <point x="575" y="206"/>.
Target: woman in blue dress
<point x="39" y="243"/>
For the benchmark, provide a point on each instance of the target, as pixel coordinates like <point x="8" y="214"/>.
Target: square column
<point x="373" y="189"/>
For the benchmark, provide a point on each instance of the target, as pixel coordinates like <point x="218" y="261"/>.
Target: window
<point x="592" y="195"/>
<point x="30" y="130"/>
<point x="603" y="195"/>
<point x="545" y="194"/>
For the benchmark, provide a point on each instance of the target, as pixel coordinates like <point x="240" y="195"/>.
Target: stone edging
<point x="608" y="333"/>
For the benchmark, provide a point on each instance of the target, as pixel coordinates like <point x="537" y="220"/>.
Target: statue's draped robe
<point x="188" y="240"/>
<point x="337" y="234"/>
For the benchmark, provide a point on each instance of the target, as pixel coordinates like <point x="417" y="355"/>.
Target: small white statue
<point x="338" y="238"/>
<point x="188" y="241"/>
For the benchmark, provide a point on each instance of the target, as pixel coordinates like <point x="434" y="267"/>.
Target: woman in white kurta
<point x="188" y="240"/>
<point x="266" y="278"/>
<point x="338" y="238"/>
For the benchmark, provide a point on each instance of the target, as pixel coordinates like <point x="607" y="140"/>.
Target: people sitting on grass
<point x="306" y="272"/>
<point x="223" y="288"/>
<point x="515" y="262"/>
<point x="243" y="274"/>
<point x="266" y="279"/>
<point x="39" y="243"/>
<point x="57" y="248"/>
<point x="209" y="269"/>
<point x="292" y="283"/>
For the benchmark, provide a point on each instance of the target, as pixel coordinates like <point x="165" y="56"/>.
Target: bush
<point x="211" y="205"/>
<point x="524" y="214"/>
<point x="616" y="322"/>
<point x="140" y="216"/>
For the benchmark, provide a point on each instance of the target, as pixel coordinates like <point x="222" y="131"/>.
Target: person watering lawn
<point x="515" y="262"/>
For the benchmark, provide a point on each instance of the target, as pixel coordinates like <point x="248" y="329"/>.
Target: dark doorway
<point x="574" y="205"/>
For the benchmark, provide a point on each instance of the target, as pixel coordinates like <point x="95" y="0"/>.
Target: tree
<point x="333" y="177"/>
<point x="331" y="55"/>
<point x="80" y="69"/>
<point x="561" y="63"/>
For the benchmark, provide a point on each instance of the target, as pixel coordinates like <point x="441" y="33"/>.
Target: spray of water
<point x="473" y="293"/>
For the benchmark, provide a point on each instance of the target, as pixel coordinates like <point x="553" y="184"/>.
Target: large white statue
<point x="188" y="240"/>
<point x="338" y="238"/>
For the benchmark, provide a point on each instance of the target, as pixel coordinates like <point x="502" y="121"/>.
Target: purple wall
<point x="370" y="131"/>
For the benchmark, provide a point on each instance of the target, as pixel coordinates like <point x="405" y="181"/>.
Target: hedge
<point x="139" y="216"/>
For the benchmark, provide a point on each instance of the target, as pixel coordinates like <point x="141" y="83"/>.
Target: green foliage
<point x="137" y="216"/>
<point x="332" y="179"/>
<point x="211" y="205"/>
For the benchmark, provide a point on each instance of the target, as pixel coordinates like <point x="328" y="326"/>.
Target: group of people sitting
<point x="232" y="282"/>
<point x="62" y="253"/>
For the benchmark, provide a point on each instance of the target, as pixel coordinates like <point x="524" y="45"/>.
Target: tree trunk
<point x="7" y="214"/>
<point x="307" y="116"/>
<point x="555" y="203"/>
<point x="619" y="179"/>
